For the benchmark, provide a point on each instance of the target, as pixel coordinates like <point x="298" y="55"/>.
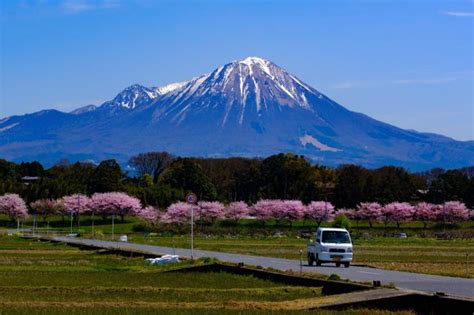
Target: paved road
<point x="403" y="280"/>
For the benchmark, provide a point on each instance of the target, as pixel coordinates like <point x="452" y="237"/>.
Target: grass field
<point x="417" y="253"/>
<point x="46" y="278"/>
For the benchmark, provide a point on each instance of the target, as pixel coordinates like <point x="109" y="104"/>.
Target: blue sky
<point x="405" y="62"/>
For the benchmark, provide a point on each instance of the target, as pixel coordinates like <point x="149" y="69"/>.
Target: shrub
<point x="341" y="221"/>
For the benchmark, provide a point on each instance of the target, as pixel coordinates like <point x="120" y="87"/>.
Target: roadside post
<point x="78" y="212"/>
<point x="72" y="217"/>
<point x="467" y="263"/>
<point x="301" y="261"/>
<point x="93" y="230"/>
<point x="191" y="199"/>
<point x="113" y="226"/>
<point x="34" y="223"/>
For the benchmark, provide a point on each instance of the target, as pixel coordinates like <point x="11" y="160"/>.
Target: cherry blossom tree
<point x="397" y="212"/>
<point x="425" y="212"/>
<point x="236" y="210"/>
<point x="13" y="206"/>
<point x="76" y="205"/>
<point x="210" y="211"/>
<point x="320" y="211"/>
<point x="114" y="203"/>
<point x="149" y="214"/>
<point x="179" y="212"/>
<point x="370" y="211"/>
<point x="453" y="211"/>
<point x="46" y="207"/>
<point x="290" y="210"/>
<point x="264" y="209"/>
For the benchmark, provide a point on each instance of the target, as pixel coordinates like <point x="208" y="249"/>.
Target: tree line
<point x="159" y="179"/>
<point x="179" y="213"/>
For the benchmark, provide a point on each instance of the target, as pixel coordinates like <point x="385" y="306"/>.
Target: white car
<point x="330" y="245"/>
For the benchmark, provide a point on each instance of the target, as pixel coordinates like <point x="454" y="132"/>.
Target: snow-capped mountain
<point x="252" y="85"/>
<point x="131" y="98"/>
<point x="249" y="107"/>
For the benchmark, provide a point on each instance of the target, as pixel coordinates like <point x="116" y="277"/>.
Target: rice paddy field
<point x="48" y="278"/>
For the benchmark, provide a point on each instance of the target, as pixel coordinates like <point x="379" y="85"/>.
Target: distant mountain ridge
<point x="249" y="107"/>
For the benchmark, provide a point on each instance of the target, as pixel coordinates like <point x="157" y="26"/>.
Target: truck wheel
<point x="347" y="264"/>
<point x="310" y="259"/>
<point x="338" y="264"/>
<point x="318" y="262"/>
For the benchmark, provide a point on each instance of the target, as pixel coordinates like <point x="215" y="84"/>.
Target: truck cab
<point x="331" y="245"/>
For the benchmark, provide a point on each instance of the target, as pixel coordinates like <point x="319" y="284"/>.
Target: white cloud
<point x="459" y="13"/>
<point x="345" y="85"/>
<point x="78" y="6"/>
<point x="68" y="6"/>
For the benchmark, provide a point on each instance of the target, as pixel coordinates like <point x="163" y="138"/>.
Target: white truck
<point x="331" y="245"/>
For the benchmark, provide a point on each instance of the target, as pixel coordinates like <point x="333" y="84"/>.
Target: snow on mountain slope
<point x="170" y="87"/>
<point x="84" y="109"/>
<point x="131" y="98"/>
<point x="236" y="86"/>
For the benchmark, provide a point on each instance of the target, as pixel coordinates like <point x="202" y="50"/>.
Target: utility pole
<point x="78" y="207"/>
<point x="301" y="261"/>
<point x="191" y="199"/>
<point x="192" y="232"/>
<point x="72" y="217"/>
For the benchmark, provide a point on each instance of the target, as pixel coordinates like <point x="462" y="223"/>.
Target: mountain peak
<point x="135" y="86"/>
<point x="132" y="97"/>
<point x="242" y="90"/>
<point x="254" y="60"/>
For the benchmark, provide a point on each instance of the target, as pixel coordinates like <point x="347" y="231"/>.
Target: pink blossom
<point x="264" y="209"/>
<point x="13" y="206"/>
<point x="179" y="212"/>
<point x="117" y="203"/>
<point x="150" y="214"/>
<point x="76" y="204"/>
<point x="425" y="212"/>
<point x="46" y="207"/>
<point x="397" y="212"/>
<point x="320" y="211"/>
<point x="370" y="211"/>
<point x="236" y="210"/>
<point x="210" y="210"/>
<point x="453" y="211"/>
<point x="289" y="210"/>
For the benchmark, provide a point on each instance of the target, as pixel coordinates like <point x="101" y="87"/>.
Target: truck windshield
<point x="338" y="237"/>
